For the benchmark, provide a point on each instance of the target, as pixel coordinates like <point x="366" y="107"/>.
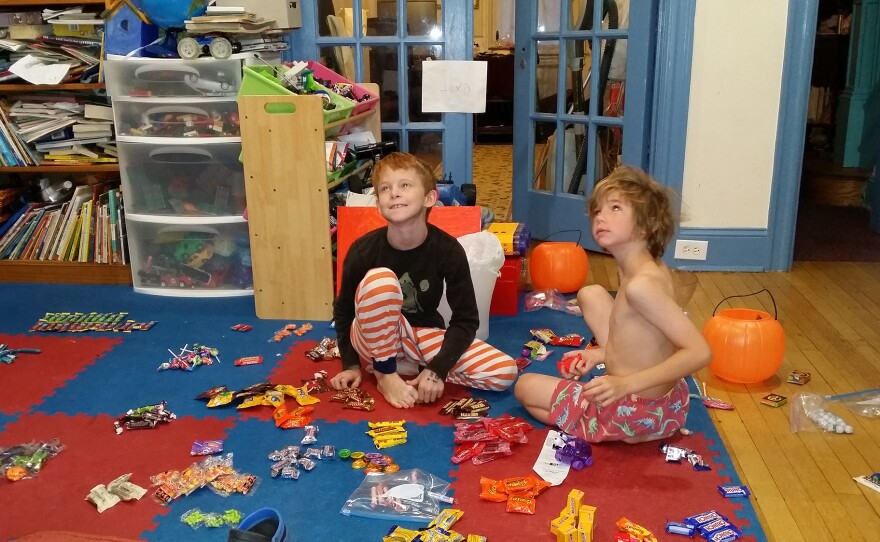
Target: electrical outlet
<point x="691" y="250"/>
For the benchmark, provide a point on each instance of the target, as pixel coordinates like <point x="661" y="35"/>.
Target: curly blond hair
<point x="654" y="216"/>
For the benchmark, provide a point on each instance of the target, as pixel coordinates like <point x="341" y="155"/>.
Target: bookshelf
<point x="48" y="271"/>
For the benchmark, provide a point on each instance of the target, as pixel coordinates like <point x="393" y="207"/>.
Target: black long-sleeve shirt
<point x="422" y="272"/>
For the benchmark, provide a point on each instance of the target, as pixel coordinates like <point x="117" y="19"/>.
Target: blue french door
<point x="584" y="73"/>
<point x="386" y="42"/>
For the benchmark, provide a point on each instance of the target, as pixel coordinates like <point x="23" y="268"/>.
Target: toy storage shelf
<point x="55" y="271"/>
<point x="288" y="201"/>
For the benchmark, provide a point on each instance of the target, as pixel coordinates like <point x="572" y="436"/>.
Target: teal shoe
<point x="263" y="525"/>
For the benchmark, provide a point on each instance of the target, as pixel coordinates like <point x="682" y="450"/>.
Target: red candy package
<point x="572" y="339"/>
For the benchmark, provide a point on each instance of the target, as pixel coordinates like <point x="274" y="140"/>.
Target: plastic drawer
<point x="156" y="77"/>
<point x="182" y="177"/>
<point x="189" y="258"/>
<point x="176" y="117"/>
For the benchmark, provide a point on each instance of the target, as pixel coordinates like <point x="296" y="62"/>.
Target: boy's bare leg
<point x="535" y="392"/>
<point x="595" y="304"/>
<point x="397" y="392"/>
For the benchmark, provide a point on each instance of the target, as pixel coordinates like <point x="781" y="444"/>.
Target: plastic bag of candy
<point x="539" y="299"/>
<point x="811" y="411"/>
<point x="25" y="461"/>
<point x="405" y="495"/>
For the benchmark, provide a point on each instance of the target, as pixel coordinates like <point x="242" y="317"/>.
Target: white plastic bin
<point x="485" y="257"/>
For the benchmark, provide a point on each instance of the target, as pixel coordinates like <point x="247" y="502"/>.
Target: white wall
<point x="732" y="119"/>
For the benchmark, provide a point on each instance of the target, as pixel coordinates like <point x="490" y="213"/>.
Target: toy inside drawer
<point x="182" y="180"/>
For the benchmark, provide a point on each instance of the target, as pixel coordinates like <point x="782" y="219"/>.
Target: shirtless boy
<point x="647" y="343"/>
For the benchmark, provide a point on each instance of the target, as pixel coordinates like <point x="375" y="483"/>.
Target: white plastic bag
<point x="485" y="257"/>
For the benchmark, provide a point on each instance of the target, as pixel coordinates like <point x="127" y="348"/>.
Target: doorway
<point x="493" y="130"/>
<point x="833" y="220"/>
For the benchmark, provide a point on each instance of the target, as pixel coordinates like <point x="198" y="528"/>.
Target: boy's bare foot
<point x="397" y="392"/>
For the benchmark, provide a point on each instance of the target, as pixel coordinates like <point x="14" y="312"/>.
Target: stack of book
<point x="248" y="31"/>
<point x="90" y="227"/>
<point x="65" y="50"/>
<point x="56" y="129"/>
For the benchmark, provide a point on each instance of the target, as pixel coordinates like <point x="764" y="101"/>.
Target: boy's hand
<point x="397" y="392"/>
<point x="429" y="386"/>
<point x="605" y="390"/>
<point x="577" y="363"/>
<point x="349" y="378"/>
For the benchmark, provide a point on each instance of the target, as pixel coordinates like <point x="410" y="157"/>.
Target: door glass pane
<point x="610" y="143"/>
<point x="392" y="135"/>
<point x="335" y="23"/>
<point x="422" y="18"/>
<point x="548" y="16"/>
<point x="380" y="67"/>
<point x="429" y="147"/>
<point x="580" y="15"/>
<point x="416" y="55"/>
<point x="545" y="156"/>
<point x="340" y="59"/>
<point x="577" y="76"/>
<point x="547" y="76"/>
<point x="382" y="21"/>
<point x="575" y="153"/>
<point x="615" y="83"/>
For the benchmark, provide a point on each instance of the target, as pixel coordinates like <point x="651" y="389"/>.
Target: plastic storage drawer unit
<point x="176" y="117"/>
<point x="158" y="77"/>
<point x="182" y="177"/>
<point x="190" y="258"/>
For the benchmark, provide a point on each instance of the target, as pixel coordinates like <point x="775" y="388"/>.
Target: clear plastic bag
<point x="864" y="403"/>
<point x="812" y="412"/>
<point x="550" y="299"/>
<point x="406" y="495"/>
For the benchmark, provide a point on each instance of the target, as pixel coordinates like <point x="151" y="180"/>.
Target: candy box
<point x="798" y="377"/>
<point x="774" y="400"/>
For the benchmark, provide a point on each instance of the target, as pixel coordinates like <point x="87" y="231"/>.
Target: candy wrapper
<point x="405" y="495"/>
<point x="327" y="349"/>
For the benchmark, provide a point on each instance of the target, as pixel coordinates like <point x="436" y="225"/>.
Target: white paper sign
<point x="454" y="86"/>
<point x="35" y="71"/>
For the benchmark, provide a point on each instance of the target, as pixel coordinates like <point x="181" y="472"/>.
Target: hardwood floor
<point x="802" y="483"/>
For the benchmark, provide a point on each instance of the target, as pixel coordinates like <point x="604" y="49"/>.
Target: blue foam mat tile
<point x="310" y="505"/>
<point x="133" y="379"/>
<point x="5" y="419"/>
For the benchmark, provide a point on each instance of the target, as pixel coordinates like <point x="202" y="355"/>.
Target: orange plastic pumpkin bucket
<point x="747" y="345"/>
<point x="560" y="265"/>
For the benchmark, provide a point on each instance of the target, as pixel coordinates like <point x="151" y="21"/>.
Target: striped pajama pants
<point x="379" y="331"/>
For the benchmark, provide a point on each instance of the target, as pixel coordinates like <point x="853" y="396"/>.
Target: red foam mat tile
<point x="94" y="454"/>
<point x="626" y="480"/>
<point x="30" y="378"/>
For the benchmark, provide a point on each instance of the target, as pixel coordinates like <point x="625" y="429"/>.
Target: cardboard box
<point x="285" y="13"/>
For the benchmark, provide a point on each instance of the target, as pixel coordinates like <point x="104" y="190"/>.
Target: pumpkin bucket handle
<point x="565" y="231"/>
<point x="775" y="312"/>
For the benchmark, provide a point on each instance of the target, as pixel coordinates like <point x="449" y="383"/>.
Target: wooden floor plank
<point x="801" y="483"/>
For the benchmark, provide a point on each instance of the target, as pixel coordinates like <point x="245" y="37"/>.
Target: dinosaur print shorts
<point x="632" y="417"/>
